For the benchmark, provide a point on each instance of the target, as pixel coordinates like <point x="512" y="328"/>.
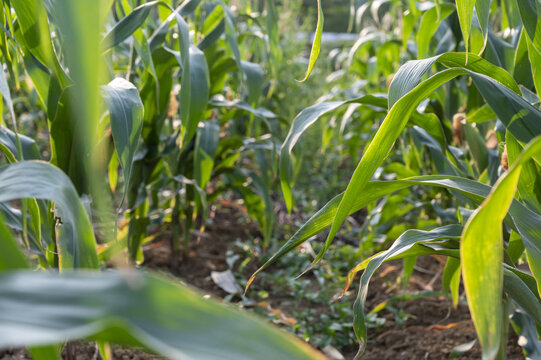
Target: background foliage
<point x="110" y="137"/>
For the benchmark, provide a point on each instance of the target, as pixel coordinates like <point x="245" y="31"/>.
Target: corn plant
<point x="460" y="114"/>
<point x="146" y="89"/>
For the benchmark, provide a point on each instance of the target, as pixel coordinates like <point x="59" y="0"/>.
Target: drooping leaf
<point x="521" y="118"/>
<point x="303" y="121"/>
<point x="254" y="81"/>
<point x="527" y="222"/>
<point x="262" y="113"/>
<point x="402" y="244"/>
<point x="29" y="147"/>
<point x="35" y="34"/>
<point x="39" y="180"/>
<point x="127" y="25"/>
<point x="316" y="44"/>
<point x="409" y="75"/>
<point x="126" y="116"/>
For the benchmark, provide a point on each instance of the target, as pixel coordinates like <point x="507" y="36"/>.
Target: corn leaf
<point x="127" y="25"/>
<point x="28" y="145"/>
<point x="135" y="309"/>
<point x="429" y="24"/>
<point x="521" y="118"/>
<point x="411" y="73"/>
<point x="534" y="55"/>
<point x="301" y="123"/>
<point x="126" y="116"/>
<point x="206" y="144"/>
<point x="529" y="183"/>
<point x="481" y="252"/>
<point x="527" y="222"/>
<point x="33" y="179"/>
<point x="530" y="13"/>
<point x="482" y="9"/>
<point x="316" y="45"/>
<point x="402" y="244"/>
<point x="35" y="34"/>
<point x="464" y="10"/>
<point x="11" y="256"/>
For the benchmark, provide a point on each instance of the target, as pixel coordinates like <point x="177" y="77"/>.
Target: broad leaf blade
<point x="126" y="114"/>
<point x="33" y="179"/>
<point x="134" y="309"/>
<point x="301" y="123"/>
<point x="464" y="9"/>
<point x="127" y="25"/>
<point x="481" y="252"/>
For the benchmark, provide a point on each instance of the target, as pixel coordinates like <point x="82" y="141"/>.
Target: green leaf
<point x="254" y="81"/>
<point x="529" y="183"/>
<point x="126" y="116"/>
<point x="464" y="9"/>
<point x="429" y="24"/>
<point x="199" y="94"/>
<point x="402" y="244"/>
<point x="261" y="113"/>
<point x="519" y="290"/>
<point x="127" y="25"/>
<point x="66" y="152"/>
<point x="411" y="73"/>
<point x="206" y="144"/>
<point x="451" y="278"/>
<point x="530" y="13"/>
<point x="39" y="180"/>
<point x="303" y="121"/>
<point x="202" y="196"/>
<point x="534" y="55"/>
<point x="316" y="45"/>
<point x="231" y="34"/>
<point x="522" y="70"/>
<point x="482" y="9"/>
<point x="6" y="94"/>
<point x="135" y="309"/>
<point x="521" y="118"/>
<point x="11" y="256"/>
<point x="476" y="144"/>
<point x="525" y="328"/>
<point x="527" y="222"/>
<point x="29" y="147"/>
<point x="35" y="34"/>
<point x="481" y="252"/>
